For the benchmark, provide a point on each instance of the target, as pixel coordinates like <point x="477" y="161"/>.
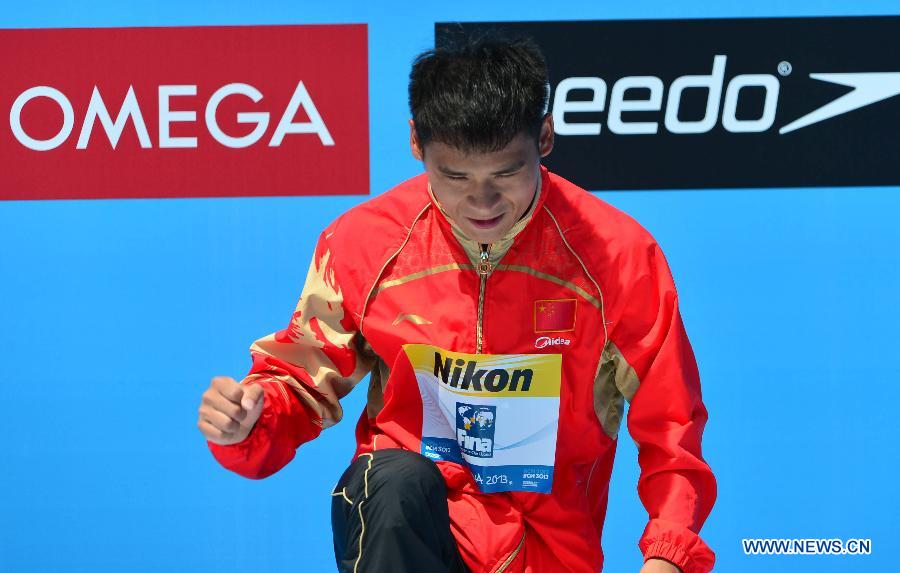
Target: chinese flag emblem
<point x="554" y="315"/>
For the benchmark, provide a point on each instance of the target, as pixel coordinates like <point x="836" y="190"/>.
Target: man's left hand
<point x="659" y="566"/>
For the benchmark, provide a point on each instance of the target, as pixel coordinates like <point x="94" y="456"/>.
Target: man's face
<point x="485" y="194"/>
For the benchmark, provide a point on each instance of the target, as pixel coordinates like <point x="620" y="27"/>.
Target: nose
<point x="484" y="199"/>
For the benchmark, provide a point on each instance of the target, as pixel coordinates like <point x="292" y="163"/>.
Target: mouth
<point x="485" y="223"/>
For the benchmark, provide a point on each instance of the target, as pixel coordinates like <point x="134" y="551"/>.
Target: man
<point x="504" y="315"/>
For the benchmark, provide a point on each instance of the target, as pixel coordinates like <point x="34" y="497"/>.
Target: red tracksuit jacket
<point x="509" y="368"/>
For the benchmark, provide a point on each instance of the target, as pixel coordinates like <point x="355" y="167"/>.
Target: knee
<point x="405" y="475"/>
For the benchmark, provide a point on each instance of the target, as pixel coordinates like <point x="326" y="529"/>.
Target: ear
<point x="414" y="142"/>
<point x="545" y="141"/>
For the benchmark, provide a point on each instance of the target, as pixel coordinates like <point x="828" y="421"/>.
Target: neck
<point x="497" y="248"/>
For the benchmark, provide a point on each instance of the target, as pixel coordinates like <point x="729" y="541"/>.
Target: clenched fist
<point x="229" y="410"/>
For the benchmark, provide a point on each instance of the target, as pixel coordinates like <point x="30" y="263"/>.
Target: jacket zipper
<point x="512" y="555"/>
<point x="484" y="268"/>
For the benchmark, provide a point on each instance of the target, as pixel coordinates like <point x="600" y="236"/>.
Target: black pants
<point x="389" y="515"/>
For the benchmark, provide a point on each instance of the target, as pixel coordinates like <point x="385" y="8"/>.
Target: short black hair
<point x="477" y="93"/>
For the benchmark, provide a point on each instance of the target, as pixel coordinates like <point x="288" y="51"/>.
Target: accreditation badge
<point x="498" y="414"/>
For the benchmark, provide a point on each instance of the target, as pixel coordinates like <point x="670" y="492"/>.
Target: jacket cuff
<point x="677" y="544"/>
<point x="283" y="425"/>
<point x="237" y="457"/>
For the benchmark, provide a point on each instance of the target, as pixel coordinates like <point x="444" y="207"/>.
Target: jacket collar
<point x="500" y="247"/>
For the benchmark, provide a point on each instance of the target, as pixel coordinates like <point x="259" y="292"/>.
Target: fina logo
<point x="475" y="429"/>
<point x="868" y="88"/>
<point x="545" y="341"/>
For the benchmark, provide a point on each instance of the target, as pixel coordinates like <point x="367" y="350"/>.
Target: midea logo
<point x="545" y="341"/>
<point x="868" y="88"/>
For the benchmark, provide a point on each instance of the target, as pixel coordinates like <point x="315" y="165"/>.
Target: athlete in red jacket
<point x="504" y="316"/>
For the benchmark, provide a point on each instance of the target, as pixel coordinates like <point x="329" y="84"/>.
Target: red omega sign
<point x="184" y="112"/>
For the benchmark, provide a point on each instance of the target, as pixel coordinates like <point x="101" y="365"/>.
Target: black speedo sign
<point x="756" y="102"/>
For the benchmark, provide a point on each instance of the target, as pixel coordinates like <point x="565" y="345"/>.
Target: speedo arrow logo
<point x="868" y="89"/>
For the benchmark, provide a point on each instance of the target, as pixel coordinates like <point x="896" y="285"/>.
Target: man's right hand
<point x="229" y="410"/>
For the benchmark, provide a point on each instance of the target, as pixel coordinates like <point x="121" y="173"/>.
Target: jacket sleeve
<point x="658" y="374"/>
<point x="304" y="370"/>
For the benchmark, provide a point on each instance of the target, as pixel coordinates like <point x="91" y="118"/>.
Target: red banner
<point x="184" y="112"/>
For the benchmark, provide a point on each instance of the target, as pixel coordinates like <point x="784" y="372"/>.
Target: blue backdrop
<point x="114" y="315"/>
